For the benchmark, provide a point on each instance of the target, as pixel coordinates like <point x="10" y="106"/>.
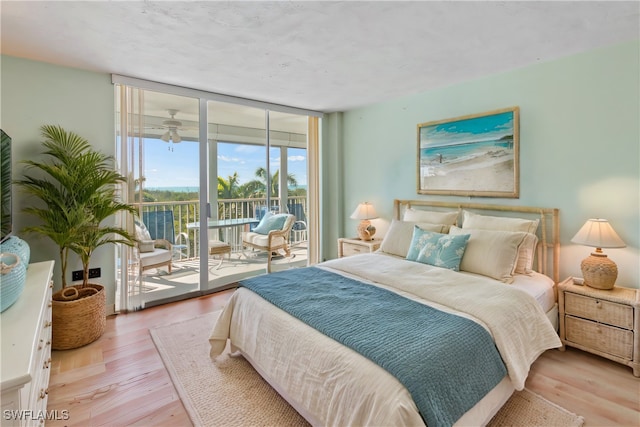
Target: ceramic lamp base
<point x="366" y="230"/>
<point x="599" y="271"/>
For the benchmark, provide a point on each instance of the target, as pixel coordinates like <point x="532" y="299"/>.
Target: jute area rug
<point x="230" y="392"/>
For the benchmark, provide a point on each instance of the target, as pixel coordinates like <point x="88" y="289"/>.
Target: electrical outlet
<point x="76" y="275"/>
<point x="94" y="272"/>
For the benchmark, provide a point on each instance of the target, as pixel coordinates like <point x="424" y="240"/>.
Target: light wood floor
<point x="120" y="379"/>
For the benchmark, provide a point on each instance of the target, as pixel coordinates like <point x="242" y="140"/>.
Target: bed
<point x="503" y="288"/>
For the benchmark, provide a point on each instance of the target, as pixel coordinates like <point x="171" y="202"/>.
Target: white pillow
<point x="430" y="217"/>
<point x="527" y="249"/>
<point x="146" y="246"/>
<point x="141" y="232"/>
<point x="491" y="253"/>
<point x="398" y="237"/>
<point x="526" y="253"/>
<point x="486" y="222"/>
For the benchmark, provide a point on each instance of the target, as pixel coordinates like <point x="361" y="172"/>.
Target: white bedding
<point x="538" y="286"/>
<point x="330" y="384"/>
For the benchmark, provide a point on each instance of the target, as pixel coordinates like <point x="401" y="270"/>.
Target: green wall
<point x="579" y="140"/>
<point x="579" y="146"/>
<point x="33" y="94"/>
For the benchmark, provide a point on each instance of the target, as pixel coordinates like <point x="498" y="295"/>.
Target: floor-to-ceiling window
<point x="202" y="161"/>
<point x="257" y="163"/>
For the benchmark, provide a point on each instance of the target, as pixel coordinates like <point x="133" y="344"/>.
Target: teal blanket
<point x="447" y="362"/>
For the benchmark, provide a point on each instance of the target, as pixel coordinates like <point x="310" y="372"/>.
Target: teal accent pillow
<point x="440" y="250"/>
<point x="270" y="222"/>
<point x="418" y="241"/>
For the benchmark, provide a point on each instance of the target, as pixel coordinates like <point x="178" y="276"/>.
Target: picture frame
<point x="476" y="155"/>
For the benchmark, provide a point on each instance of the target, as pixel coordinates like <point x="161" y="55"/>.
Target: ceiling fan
<point x="172" y="125"/>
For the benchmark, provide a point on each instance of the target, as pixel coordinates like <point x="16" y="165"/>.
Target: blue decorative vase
<point x="16" y="245"/>
<point x="13" y="274"/>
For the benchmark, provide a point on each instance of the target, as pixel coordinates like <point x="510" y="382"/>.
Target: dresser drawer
<point x="39" y="386"/>
<point x="601" y="311"/>
<point x="608" y="339"/>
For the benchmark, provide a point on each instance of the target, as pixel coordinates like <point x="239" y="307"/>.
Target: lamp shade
<point x="598" y="233"/>
<point x="364" y="211"/>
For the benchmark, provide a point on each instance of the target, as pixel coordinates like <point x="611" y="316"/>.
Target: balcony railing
<point x="188" y="212"/>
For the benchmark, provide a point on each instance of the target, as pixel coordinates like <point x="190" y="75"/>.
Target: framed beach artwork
<point x="474" y="155"/>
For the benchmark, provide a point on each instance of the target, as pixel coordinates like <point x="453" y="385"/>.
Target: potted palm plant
<point x="77" y="187"/>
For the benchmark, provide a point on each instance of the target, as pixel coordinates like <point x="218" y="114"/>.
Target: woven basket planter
<point x="80" y="321"/>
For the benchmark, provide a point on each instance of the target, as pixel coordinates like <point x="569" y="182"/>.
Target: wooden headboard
<point x="548" y="250"/>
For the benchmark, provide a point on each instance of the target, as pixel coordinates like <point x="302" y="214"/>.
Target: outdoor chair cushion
<point x="146" y="245"/>
<point x="158" y="256"/>
<point x="270" y="222"/>
<point x="258" y="239"/>
<point x="142" y="233"/>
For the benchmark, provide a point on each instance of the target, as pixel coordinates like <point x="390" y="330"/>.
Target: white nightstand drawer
<point x="351" y="249"/>
<point x="599" y="310"/>
<point x="608" y="339"/>
<point x="348" y="247"/>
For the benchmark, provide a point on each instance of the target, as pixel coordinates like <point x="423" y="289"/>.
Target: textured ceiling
<point x="325" y="56"/>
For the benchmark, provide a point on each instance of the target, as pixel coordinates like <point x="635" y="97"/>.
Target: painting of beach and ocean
<point x="475" y="155"/>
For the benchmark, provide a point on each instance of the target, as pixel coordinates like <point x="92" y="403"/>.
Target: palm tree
<point x="78" y="192"/>
<point x="101" y="206"/>
<point x="251" y="189"/>
<point x="228" y="188"/>
<point x="260" y="184"/>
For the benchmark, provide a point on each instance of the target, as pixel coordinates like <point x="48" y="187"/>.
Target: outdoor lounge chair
<point x="271" y="235"/>
<point x="161" y="226"/>
<point x="299" y="229"/>
<point x="153" y="253"/>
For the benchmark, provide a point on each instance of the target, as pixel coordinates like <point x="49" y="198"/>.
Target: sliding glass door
<point x="203" y="172"/>
<point x="161" y="147"/>
<point x="256" y="164"/>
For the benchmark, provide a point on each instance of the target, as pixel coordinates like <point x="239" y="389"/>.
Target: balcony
<point x="158" y="285"/>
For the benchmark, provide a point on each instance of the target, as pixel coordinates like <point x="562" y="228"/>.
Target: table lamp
<point x="598" y="270"/>
<point x="365" y="212"/>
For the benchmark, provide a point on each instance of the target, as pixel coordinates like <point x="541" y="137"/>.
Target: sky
<point x="179" y="168"/>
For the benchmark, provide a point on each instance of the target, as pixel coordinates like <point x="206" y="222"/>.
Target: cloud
<point x="246" y="148"/>
<point x="230" y="159"/>
<point x="297" y="158"/>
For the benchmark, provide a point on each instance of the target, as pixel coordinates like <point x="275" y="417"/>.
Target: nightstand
<point x="356" y="246"/>
<point x="602" y="322"/>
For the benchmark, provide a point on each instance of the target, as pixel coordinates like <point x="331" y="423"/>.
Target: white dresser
<point x="26" y="350"/>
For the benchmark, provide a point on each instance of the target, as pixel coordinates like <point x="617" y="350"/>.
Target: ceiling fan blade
<point x="176" y="138"/>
